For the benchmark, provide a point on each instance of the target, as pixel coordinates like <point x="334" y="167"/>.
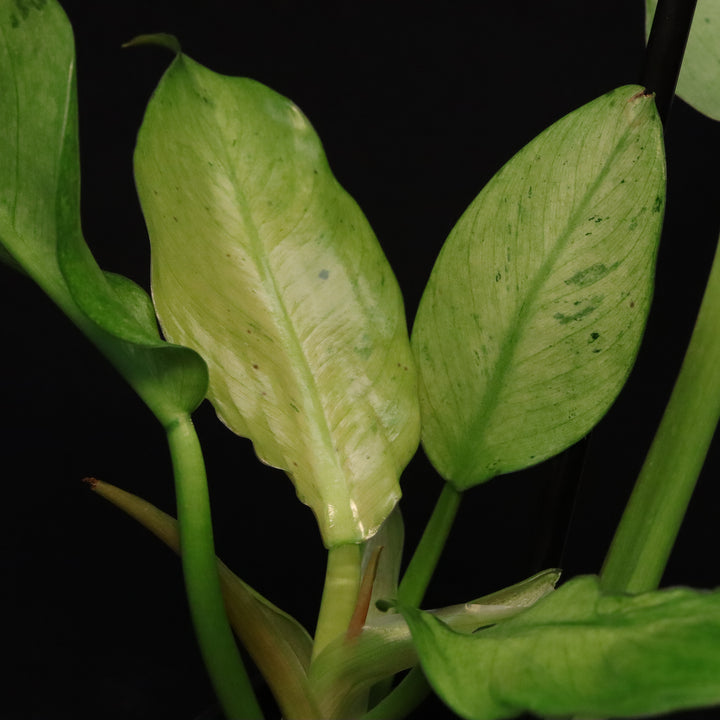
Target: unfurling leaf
<point x="266" y="266"/>
<point x="278" y="644"/>
<point x="535" y="308"/>
<point x="579" y="653"/>
<point x="699" y="81"/>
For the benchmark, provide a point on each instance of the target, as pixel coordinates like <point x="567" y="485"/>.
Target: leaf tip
<point x="91" y="482"/>
<point x="642" y="93"/>
<point x="160" y="39"/>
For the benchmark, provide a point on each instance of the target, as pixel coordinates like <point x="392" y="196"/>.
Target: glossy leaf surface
<point x="267" y="267"/>
<point x="40" y="212"/>
<point x="699" y="81"/>
<point x="535" y="308"/>
<point x="580" y="653"/>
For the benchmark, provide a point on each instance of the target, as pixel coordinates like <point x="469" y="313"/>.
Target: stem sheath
<point x="342" y="582"/>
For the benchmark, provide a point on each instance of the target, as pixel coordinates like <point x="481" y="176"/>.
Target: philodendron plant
<point x="277" y="304"/>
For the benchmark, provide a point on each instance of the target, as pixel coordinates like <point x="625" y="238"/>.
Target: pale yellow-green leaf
<point x="263" y="264"/>
<point x="699" y="81"/>
<point x="535" y="308"/>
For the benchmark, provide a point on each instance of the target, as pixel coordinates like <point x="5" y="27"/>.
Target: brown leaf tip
<point x="644" y="93"/>
<point x="91" y="481"/>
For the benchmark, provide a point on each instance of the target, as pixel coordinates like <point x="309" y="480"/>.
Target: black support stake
<point x="665" y="50"/>
<point x="663" y="60"/>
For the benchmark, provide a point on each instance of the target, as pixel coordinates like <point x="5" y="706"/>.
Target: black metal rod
<point x="663" y="59"/>
<point x="665" y="50"/>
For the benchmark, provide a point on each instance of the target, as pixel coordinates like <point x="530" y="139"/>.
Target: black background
<point x="417" y="108"/>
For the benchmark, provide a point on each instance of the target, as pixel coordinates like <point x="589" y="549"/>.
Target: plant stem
<point x="663" y="60"/>
<point x="217" y="644"/>
<point x="426" y="555"/>
<point x="342" y="582"/>
<point x="652" y="518"/>
<point x="665" y="50"/>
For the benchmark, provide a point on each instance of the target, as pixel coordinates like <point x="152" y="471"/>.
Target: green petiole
<point x="427" y="554"/>
<point x="651" y="521"/>
<point x="217" y="644"/>
<point x="342" y="582"/>
<point x="413" y="688"/>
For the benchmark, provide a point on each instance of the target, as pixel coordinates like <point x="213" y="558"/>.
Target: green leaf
<point x="266" y="266"/>
<point x="40" y="228"/>
<point x="36" y="69"/>
<point x="344" y="670"/>
<point x="580" y="653"/>
<point x="699" y="81"/>
<point x="535" y="308"/>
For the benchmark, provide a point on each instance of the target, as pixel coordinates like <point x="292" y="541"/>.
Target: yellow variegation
<point x="263" y="264"/>
<point x="534" y="311"/>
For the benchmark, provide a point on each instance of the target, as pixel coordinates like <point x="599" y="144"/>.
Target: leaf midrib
<point x="305" y="380"/>
<point x="473" y="439"/>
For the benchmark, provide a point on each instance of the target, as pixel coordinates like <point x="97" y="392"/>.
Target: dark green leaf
<point x="40" y="211"/>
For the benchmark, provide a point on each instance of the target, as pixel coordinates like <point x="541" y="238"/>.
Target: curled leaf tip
<point x="161" y="39"/>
